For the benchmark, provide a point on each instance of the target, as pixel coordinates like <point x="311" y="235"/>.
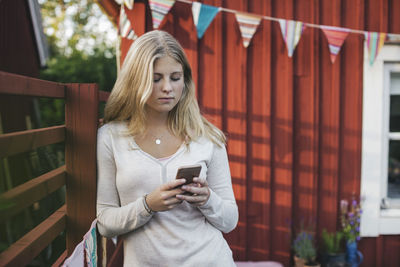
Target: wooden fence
<point x="78" y="173"/>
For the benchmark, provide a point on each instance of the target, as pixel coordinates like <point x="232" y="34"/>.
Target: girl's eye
<point x="175" y="78"/>
<point x="156" y="80"/>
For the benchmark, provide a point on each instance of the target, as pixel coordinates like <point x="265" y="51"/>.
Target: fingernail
<point x="184" y="187"/>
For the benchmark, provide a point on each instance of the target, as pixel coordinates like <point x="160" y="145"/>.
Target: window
<point x="380" y="167"/>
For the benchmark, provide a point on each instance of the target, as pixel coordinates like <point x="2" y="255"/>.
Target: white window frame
<point x="376" y="221"/>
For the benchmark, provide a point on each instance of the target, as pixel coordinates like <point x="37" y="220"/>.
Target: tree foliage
<point x="81" y="41"/>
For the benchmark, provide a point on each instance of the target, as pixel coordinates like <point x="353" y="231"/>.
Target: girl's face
<point x="168" y="84"/>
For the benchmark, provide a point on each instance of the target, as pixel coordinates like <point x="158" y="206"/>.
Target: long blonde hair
<point x="134" y="86"/>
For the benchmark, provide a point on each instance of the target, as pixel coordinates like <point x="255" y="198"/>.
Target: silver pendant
<point x="158" y="141"/>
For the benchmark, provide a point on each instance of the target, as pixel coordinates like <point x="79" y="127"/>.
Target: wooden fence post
<point x="81" y="119"/>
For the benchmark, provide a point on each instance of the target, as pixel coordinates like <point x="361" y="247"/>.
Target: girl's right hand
<point x="164" y="197"/>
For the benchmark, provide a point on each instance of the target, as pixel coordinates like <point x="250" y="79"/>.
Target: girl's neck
<point x="157" y="120"/>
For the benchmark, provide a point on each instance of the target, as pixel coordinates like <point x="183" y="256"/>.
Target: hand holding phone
<point x="188" y="173"/>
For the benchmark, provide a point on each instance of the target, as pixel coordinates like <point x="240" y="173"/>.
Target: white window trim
<point x="374" y="220"/>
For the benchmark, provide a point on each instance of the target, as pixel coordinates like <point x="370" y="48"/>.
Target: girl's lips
<point x="165" y="99"/>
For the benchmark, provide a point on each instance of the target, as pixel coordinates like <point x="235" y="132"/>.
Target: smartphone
<point x="188" y="172"/>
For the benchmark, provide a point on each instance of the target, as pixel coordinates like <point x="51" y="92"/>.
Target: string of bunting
<point x="203" y="15"/>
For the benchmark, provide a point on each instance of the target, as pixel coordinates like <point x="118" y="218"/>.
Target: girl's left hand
<point x="200" y="191"/>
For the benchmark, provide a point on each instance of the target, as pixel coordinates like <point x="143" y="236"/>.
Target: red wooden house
<point x="303" y="133"/>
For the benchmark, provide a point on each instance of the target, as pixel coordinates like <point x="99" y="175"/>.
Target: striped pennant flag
<point x="248" y="25"/>
<point x="160" y="8"/>
<point x="203" y="15"/>
<point x="336" y="37"/>
<point x="375" y="41"/>
<point x="128" y="3"/>
<point x="125" y="28"/>
<point x="291" y="32"/>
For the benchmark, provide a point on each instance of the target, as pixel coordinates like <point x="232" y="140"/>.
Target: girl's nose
<point x="167" y="88"/>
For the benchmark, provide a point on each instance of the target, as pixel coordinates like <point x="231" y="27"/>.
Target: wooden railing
<point x="78" y="173"/>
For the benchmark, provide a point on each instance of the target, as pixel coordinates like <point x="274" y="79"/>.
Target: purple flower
<point x="354" y="203"/>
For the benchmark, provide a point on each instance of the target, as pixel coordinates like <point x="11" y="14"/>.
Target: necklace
<point x="157" y="140"/>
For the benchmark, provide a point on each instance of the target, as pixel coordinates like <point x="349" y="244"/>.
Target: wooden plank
<point x="103" y="96"/>
<point x="81" y="117"/>
<point x="60" y="259"/>
<point x="117" y="258"/>
<point x="329" y="126"/>
<point x="234" y="110"/>
<point x="22" y="141"/>
<point x="305" y="119"/>
<point x="259" y="137"/>
<point x="30" y="245"/>
<point x="282" y="142"/>
<point x="22" y="85"/>
<point x="34" y="190"/>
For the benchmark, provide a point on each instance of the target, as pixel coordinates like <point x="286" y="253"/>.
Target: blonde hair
<point x="134" y="86"/>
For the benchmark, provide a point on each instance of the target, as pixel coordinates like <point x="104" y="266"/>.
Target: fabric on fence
<point x="87" y="247"/>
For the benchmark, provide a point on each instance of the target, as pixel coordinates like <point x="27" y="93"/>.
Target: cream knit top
<point x="184" y="236"/>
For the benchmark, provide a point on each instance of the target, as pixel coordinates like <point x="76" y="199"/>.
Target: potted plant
<point x="350" y="219"/>
<point x="332" y="249"/>
<point x="304" y="249"/>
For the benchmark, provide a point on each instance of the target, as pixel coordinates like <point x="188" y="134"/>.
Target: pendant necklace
<point x="157" y="139"/>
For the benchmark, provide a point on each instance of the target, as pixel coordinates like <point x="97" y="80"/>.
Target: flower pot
<point x="299" y="262"/>
<point x="353" y="256"/>
<point x="312" y="265"/>
<point x="333" y="259"/>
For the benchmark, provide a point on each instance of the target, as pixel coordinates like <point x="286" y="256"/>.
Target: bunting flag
<point x="375" y="41"/>
<point x="291" y="32"/>
<point x="160" y="8"/>
<point x="128" y="3"/>
<point x="203" y="15"/>
<point x="125" y="29"/>
<point x="336" y="37"/>
<point x="248" y="25"/>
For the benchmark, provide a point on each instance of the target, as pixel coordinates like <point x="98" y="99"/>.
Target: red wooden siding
<point x="293" y="124"/>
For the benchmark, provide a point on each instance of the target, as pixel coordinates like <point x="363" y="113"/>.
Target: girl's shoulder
<point x="113" y="128"/>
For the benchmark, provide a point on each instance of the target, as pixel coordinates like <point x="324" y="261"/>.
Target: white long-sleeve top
<point x="184" y="236"/>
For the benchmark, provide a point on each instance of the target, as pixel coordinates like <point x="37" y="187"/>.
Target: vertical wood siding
<point x="294" y="124"/>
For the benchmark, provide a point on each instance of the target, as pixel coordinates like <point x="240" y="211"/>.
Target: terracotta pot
<point x="299" y="262"/>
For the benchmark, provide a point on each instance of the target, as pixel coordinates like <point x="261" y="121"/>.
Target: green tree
<point x="81" y="41"/>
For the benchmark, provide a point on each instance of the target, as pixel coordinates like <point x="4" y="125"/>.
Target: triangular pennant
<point x="203" y="15"/>
<point x="375" y="41"/>
<point x="160" y="8"/>
<point x="336" y="37"/>
<point x="291" y="32"/>
<point x="125" y="28"/>
<point x="248" y="25"/>
<point x="129" y="3"/>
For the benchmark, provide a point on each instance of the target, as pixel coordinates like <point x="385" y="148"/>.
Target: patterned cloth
<point x="248" y="25"/>
<point x="203" y="15"/>
<point x="291" y="32"/>
<point x="125" y="28"/>
<point x="160" y="8"/>
<point x="336" y="37"/>
<point x="375" y="41"/>
<point x="87" y="247"/>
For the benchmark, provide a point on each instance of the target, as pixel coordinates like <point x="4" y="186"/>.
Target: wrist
<point x="146" y="206"/>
